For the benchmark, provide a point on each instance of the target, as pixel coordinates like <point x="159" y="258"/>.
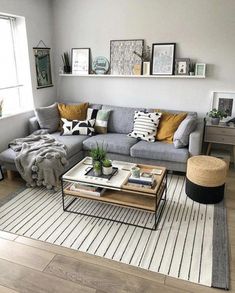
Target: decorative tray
<point x="91" y="173"/>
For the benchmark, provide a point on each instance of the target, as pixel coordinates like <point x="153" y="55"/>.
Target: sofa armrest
<point x="195" y="140"/>
<point x="33" y="124"/>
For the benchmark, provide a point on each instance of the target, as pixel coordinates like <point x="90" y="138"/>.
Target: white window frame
<point x="14" y="22"/>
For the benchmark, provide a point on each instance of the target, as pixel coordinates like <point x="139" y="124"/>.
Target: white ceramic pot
<point x="107" y="170"/>
<point x="146" y="68"/>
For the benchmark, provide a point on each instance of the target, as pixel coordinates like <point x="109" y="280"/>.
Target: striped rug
<point x="183" y="246"/>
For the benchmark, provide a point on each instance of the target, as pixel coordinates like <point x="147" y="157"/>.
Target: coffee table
<point x="118" y="191"/>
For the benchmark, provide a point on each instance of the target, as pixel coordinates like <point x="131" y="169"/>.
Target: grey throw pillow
<point x="48" y="117"/>
<point x="181" y="136"/>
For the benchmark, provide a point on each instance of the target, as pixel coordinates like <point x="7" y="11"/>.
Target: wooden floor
<point x="28" y="265"/>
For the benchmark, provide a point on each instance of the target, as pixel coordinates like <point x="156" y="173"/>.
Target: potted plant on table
<point x="107" y="168"/>
<point x="97" y="168"/>
<point x="216" y="115"/>
<point x="98" y="154"/>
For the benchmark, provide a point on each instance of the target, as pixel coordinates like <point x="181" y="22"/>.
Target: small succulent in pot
<point x="107" y="168"/>
<point x="216" y="115"/>
<point x="191" y="68"/>
<point x="97" y="168"/>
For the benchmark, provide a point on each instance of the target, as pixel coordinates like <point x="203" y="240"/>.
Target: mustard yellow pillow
<point x="168" y="125"/>
<point x="73" y="112"/>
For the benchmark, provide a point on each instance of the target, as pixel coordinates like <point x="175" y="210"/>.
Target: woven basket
<point x="206" y="171"/>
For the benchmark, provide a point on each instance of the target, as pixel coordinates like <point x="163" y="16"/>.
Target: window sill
<point x="15" y="114"/>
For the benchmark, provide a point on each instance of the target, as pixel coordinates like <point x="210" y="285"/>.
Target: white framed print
<point x="225" y="102"/>
<point x="163" y="58"/>
<point x="200" y="69"/>
<point x="80" y="61"/>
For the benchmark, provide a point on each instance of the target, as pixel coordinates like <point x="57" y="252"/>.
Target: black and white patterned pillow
<point x="76" y="127"/>
<point x="145" y="125"/>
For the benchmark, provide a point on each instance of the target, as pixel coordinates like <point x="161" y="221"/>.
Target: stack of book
<point x="142" y="181"/>
<point x="87" y="189"/>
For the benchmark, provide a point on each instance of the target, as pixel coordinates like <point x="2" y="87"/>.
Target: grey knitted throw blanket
<point x="40" y="159"/>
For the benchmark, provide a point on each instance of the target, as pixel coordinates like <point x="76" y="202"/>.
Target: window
<point x="15" y="81"/>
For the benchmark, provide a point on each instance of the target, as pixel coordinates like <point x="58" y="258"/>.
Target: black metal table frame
<point x="156" y="212"/>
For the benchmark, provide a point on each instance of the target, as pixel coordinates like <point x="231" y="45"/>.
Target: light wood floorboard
<point x="65" y="270"/>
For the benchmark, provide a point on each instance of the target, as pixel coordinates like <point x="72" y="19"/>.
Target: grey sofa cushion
<point x="121" y="118"/>
<point x="159" y="151"/>
<point x="181" y="136"/>
<point x="48" y="117"/>
<point x="113" y="142"/>
<point x="73" y="142"/>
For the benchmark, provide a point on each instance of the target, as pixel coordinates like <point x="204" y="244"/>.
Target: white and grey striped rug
<point x="181" y="247"/>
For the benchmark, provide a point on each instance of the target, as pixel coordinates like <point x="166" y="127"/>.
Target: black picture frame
<point x="43" y="67"/>
<point x="1" y="174"/>
<point x="123" y="58"/>
<point x="182" y="66"/>
<point x="81" y="61"/>
<point x="163" y="59"/>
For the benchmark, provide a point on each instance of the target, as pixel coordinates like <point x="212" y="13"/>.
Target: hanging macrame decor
<point x="43" y="65"/>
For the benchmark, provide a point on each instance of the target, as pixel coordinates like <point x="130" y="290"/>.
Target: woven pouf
<point x="205" y="179"/>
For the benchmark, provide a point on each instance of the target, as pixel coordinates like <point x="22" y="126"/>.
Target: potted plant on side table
<point x="107" y="168"/>
<point x="216" y="115"/>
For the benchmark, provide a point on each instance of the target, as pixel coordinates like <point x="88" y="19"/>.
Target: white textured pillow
<point x="76" y="127"/>
<point x="145" y="125"/>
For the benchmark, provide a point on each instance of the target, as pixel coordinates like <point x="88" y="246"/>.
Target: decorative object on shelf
<point x="1" y="106"/>
<point x="97" y="168"/>
<point x="123" y="60"/>
<point x="224" y="102"/>
<point x="66" y="62"/>
<point x="191" y="68"/>
<point x="163" y="56"/>
<point x="145" y="58"/>
<point x="1" y="174"/>
<point x="200" y="69"/>
<point x="182" y="66"/>
<point x="216" y="115"/>
<point x="100" y="65"/>
<point x="80" y="61"/>
<point x="107" y="167"/>
<point x="43" y="65"/>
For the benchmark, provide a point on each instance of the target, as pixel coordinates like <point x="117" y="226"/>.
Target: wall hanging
<point x="43" y="65"/>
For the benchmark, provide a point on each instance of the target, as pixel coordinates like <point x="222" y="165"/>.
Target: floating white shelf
<point x="134" y="76"/>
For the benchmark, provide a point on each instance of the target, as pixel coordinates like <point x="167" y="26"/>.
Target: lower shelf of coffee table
<point x="121" y="198"/>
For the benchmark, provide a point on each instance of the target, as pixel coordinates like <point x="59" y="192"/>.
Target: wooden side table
<point x="221" y="134"/>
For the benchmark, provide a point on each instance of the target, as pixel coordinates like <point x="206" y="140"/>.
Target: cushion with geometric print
<point x="145" y="125"/>
<point x="76" y="127"/>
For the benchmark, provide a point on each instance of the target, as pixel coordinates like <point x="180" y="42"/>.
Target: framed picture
<point x="81" y="61"/>
<point x="224" y="101"/>
<point x="182" y="66"/>
<point x="123" y="60"/>
<point x="163" y="57"/>
<point x="43" y="67"/>
<point x="1" y="174"/>
<point x="200" y="69"/>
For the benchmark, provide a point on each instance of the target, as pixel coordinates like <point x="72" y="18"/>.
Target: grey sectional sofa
<point x="119" y="145"/>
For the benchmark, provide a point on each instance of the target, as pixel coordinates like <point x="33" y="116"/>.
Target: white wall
<point x="38" y="17"/>
<point x="203" y="30"/>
